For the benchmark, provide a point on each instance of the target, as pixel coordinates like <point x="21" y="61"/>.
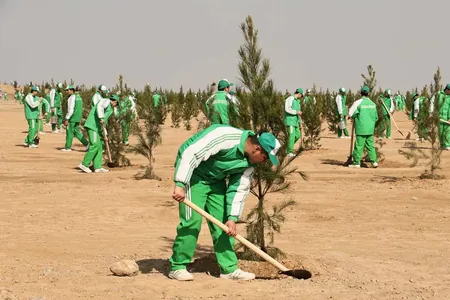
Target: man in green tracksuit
<point x="389" y="104"/>
<point x="399" y="103"/>
<point x="309" y="97"/>
<point x="5" y="96"/>
<point x="444" y="114"/>
<point x="97" y="119"/>
<point x="417" y="116"/>
<point x="99" y="95"/>
<point x="43" y="114"/>
<point x="292" y="113"/>
<point x="213" y="169"/>
<point x="31" y="107"/>
<point x="55" y="104"/>
<point x="19" y="96"/>
<point x="217" y="106"/>
<point x="156" y="100"/>
<point x="47" y="97"/>
<point x="128" y="113"/>
<point x="341" y="104"/>
<point x="365" y="115"/>
<point x="73" y="119"/>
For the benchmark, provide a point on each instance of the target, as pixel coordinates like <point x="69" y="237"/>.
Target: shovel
<point x="110" y="164"/>
<point x="350" y="156"/>
<point x="299" y="274"/>
<point x="392" y="117"/>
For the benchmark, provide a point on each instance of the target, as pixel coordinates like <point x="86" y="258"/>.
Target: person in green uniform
<point x="292" y="113"/>
<point x="364" y="114"/>
<point x="73" y="119"/>
<point x="444" y="114"/>
<point x="341" y="104"/>
<point x="389" y="104"/>
<point x="31" y="107"/>
<point x="417" y="116"/>
<point x="128" y="113"/>
<point x="44" y="104"/>
<point x="5" y="96"/>
<point x="156" y="100"/>
<point x="19" y="96"/>
<point x="99" y="95"/>
<point x="47" y="97"/>
<point x="213" y="169"/>
<point x="55" y="104"/>
<point x="309" y="97"/>
<point x="218" y="105"/>
<point x="97" y="119"/>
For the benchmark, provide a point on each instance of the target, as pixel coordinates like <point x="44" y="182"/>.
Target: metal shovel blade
<point x="299" y="274"/>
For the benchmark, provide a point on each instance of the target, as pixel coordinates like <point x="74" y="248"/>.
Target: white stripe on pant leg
<point x="95" y="137"/>
<point x="188" y="198"/>
<point x="32" y="123"/>
<point x="291" y="129"/>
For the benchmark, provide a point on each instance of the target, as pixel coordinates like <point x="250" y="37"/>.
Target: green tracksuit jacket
<point x="218" y="107"/>
<point x="444" y="114"/>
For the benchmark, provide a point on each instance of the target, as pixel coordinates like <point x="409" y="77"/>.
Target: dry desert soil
<point x="363" y="234"/>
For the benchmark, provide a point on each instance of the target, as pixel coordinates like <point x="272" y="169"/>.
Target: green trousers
<point x="367" y="142"/>
<point x="41" y="125"/>
<point x="444" y="135"/>
<point x="125" y="131"/>
<point x="344" y="131"/>
<point x="387" y="126"/>
<point x="32" y="131"/>
<point x="74" y="130"/>
<point x="293" y="136"/>
<point x="58" y="113"/>
<point x="211" y="198"/>
<point x="95" y="152"/>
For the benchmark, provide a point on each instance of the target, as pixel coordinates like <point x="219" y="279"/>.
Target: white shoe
<point x="101" y="170"/>
<point x="341" y="137"/>
<point x="181" y="275"/>
<point x="354" y="166"/>
<point x="347" y="137"/>
<point x="84" y="168"/>
<point x="66" y="150"/>
<point x="41" y="132"/>
<point x="291" y="155"/>
<point x="238" y="275"/>
<point x="375" y="165"/>
<point x="25" y="144"/>
<point x="447" y="149"/>
<point x="55" y="131"/>
<point x="33" y="146"/>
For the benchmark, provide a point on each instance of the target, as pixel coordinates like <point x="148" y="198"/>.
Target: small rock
<point x="125" y="268"/>
<point x="414" y="198"/>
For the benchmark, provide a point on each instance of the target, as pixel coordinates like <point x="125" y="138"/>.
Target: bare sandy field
<point x="364" y="234"/>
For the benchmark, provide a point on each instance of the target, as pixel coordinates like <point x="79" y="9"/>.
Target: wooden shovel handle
<point x="238" y="237"/>
<point x="106" y="144"/>
<point x="392" y="117"/>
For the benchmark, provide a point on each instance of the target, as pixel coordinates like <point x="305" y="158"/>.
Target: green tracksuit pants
<point x="41" y="125"/>
<point x="73" y="129"/>
<point x="211" y="198"/>
<point x="58" y="113"/>
<point x="294" y="135"/>
<point x="367" y="142"/>
<point x="444" y="135"/>
<point x="344" y="131"/>
<point x="387" y="126"/>
<point x="95" y="152"/>
<point x="125" y="131"/>
<point x="32" y="131"/>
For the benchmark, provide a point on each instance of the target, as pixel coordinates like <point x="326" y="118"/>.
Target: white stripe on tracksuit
<point x="188" y="198"/>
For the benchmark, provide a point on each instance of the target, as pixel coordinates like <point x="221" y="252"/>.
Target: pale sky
<point x="170" y="43"/>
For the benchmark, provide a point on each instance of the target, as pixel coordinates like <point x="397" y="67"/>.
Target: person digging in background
<point x="415" y="115"/>
<point x="128" y="112"/>
<point x="99" y="95"/>
<point x="389" y="103"/>
<point x="97" y="119"/>
<point x="444" y="114"/>
<point x="213" y="169"/>
<point x="73" y="119"/>
<point x="31" y="108"/>
<point x="55" y="104"/>
<point x="292" y="113"/>
<point x="341" y="103"/>
<point x="364" y="114"/>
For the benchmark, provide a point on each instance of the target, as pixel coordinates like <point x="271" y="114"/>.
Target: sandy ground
<point x="364" y="234"/>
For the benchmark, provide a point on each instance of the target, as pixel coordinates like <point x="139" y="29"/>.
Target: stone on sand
<point x="125" y="268"/>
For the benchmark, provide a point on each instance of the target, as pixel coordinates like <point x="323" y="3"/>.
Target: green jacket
<point x="291" y="108"/>
<point x="156" y="100"/>
<point x="415" y="111"/>
<point x="388" y="103"/>
<point x="218" y="107"/>
<point x="74" y="108"/>
<point x="212" y="156"/>
<point x="365" y="115"/>
<point x="444" y="106"/>
<point x="31" y="107"/>
<point x="46" y="107"/>
<point x="103" y="110"/>
<point x="341" y="104"/>
<point x="96" y="98"/>
<point x="55" y="98"/>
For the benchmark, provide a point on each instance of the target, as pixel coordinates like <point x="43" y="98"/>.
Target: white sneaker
<point x="41" y="132"/>
<point x="291" y="155"/>
<point x="354" y="166"/>
<point x="181" y="275"/>
<point x="347" y="137"/>
<point x="25" y="144"/>
<point x="84" y="168"/>
<point x="238" y="275"/>
<point x="66" y="150"/>
<point x="375" y="165"/>
<point x="101" y="170"/>
<point x="33" y="146"/>
<point x="55" y="131"/>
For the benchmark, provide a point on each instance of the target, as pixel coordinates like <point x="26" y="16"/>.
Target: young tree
<point x="190" y="109"/>
<point x="261" y="108"/>
<point x="177" y="109"/>
<point x="312" y="122"/>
